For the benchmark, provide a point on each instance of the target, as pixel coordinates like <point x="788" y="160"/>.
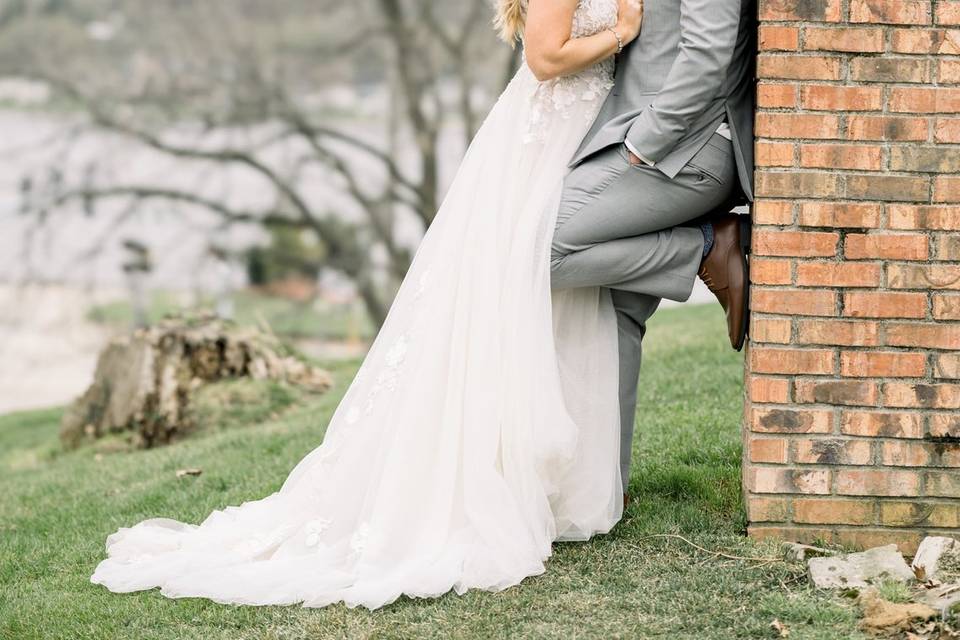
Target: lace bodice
<point x="590" y="85"/>
<point x="593" y="16"/>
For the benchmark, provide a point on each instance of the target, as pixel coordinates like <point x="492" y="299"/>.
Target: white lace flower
<point x="314" y="529"/>
<point x="396" y="354"/>
<point x="358" y="541"/>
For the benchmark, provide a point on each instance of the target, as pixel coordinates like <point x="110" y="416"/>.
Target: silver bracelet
<point x="619" y="39"/>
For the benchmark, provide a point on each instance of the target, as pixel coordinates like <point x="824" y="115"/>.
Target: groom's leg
<point x="633" y="311"/>
<point x="619" y="225"/>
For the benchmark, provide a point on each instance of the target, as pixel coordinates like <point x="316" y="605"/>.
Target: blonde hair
<point x="509" y="20"/>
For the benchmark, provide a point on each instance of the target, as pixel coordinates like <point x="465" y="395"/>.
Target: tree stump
<point x="143" y="382"/>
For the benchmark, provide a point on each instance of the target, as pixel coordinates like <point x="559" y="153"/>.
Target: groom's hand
<point x="633" y="158"/>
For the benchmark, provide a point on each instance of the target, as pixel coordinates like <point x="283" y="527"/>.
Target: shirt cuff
<point x="634" y="151"/>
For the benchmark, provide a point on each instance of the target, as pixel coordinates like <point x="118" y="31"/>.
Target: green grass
<point x="289" y="318"/>
<point x="57" y="508"/>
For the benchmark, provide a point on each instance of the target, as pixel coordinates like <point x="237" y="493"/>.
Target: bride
<point x="483" y="424"/>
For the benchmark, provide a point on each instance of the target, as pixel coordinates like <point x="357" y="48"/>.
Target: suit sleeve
<point x="708" y="36"/>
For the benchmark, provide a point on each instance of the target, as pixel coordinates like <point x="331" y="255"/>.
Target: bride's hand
<point x="629" y="19"/>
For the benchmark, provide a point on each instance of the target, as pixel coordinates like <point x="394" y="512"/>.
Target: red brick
<point x="800" y="302"/>
<point x="853" y="39"/>
<point x="808" y="11"/>
<point x="878" y="304"/>
<point x="777" y="96"/>
<point x="859" y="393"/>
<point x="932" y="159"/>
<point x="920" y="454"/>
<point x="778" y="212"/>
<point x="761" y="509"/>
<point x="924" y="100"/>
<point x="774" y="154"/>
<point x="797" y="67"/>
<point x="765" y="389"/>
<point x="945" y="425"/>
<point x="948" y="12"/>
<point x="890" y="11"/>
<point x="768" y="450"/>
<point x="838" y="332"/>
<point x="830" y="214"/>
<point x="803" y="535"/>
<point x="838" y="274"/>
<point x="948" y="247"/>
<point x="792" y="361"/>
<point x="888" y="246"/>
<point x="841" y="156"/>
<point x="829" y="511"/>
<point x="790" y="420"/>
<point x="877" y="424"/>
<point x="939" y="218"/>
<point x="910" y="395"/>
<point x="882" y="364"/>
<point x="948" y="71"/>
<point x="946" y="306"/>
<point x="929" y="335"/>
<point x="833" y="98"/>
<point x="890" y="70"/>
<point x="943" y="484"/>
<point x="947" y="366"/>
<point x="911" y="276"/>
<point x="946" y="130"/>
<point x="778" y="480"/>
<point x="798" y="126"/>
<point x="925" y="41"/>
<point x="946" y="189"/>
<point x="875" y="482"/>
<point x="776" y="330"/>
<point x="798" y="184"/>
<point x="768" y="271"/>
<point x="892" y="128"/>
<point x="919" y="514"/>
<point x="776" y="38"/>
<point x="795" y="243"/>
<point x="887" y="187"/>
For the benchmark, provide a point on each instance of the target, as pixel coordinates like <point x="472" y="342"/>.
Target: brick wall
<point x="852" y="423"/>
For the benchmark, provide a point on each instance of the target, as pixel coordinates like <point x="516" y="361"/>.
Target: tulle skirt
<point x="482" y="426"/>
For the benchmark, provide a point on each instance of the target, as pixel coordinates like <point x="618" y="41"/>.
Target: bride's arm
<point x="551" y="51"/>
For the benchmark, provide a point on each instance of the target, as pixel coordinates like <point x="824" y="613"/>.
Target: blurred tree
<point x="289" y="254"/>
<point x="233" y="85"/>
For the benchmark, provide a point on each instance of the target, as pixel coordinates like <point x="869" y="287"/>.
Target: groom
<point x="645" y="206"/>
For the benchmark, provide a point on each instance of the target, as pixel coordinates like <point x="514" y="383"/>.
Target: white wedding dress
<point x="482" y="426"/>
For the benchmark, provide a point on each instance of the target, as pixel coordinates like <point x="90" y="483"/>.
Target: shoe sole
<point x="746" y="228"/>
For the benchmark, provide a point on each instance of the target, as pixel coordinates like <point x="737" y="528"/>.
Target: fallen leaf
<point x="183" y="473"/>
<point x="882" y="615"/>
<point x="780" y="628"/>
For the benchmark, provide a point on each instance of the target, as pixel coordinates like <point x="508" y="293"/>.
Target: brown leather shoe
<point x="726" y="272"/>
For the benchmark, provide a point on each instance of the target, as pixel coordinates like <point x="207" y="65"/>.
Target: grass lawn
<point x="57" y="508"/>
<point x="317" y="320"/>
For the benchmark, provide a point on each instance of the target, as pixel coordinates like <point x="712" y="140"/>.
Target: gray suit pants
<point x="620" y="226"/>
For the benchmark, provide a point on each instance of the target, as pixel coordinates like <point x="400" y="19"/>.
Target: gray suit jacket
<point x="692" y="66"/>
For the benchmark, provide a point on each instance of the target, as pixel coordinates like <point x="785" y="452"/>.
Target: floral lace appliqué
<point x="257" y="545"/>
<point x="314" y="529"/>
<point x="591" y="85"/>
<point x="358" y="541"/>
